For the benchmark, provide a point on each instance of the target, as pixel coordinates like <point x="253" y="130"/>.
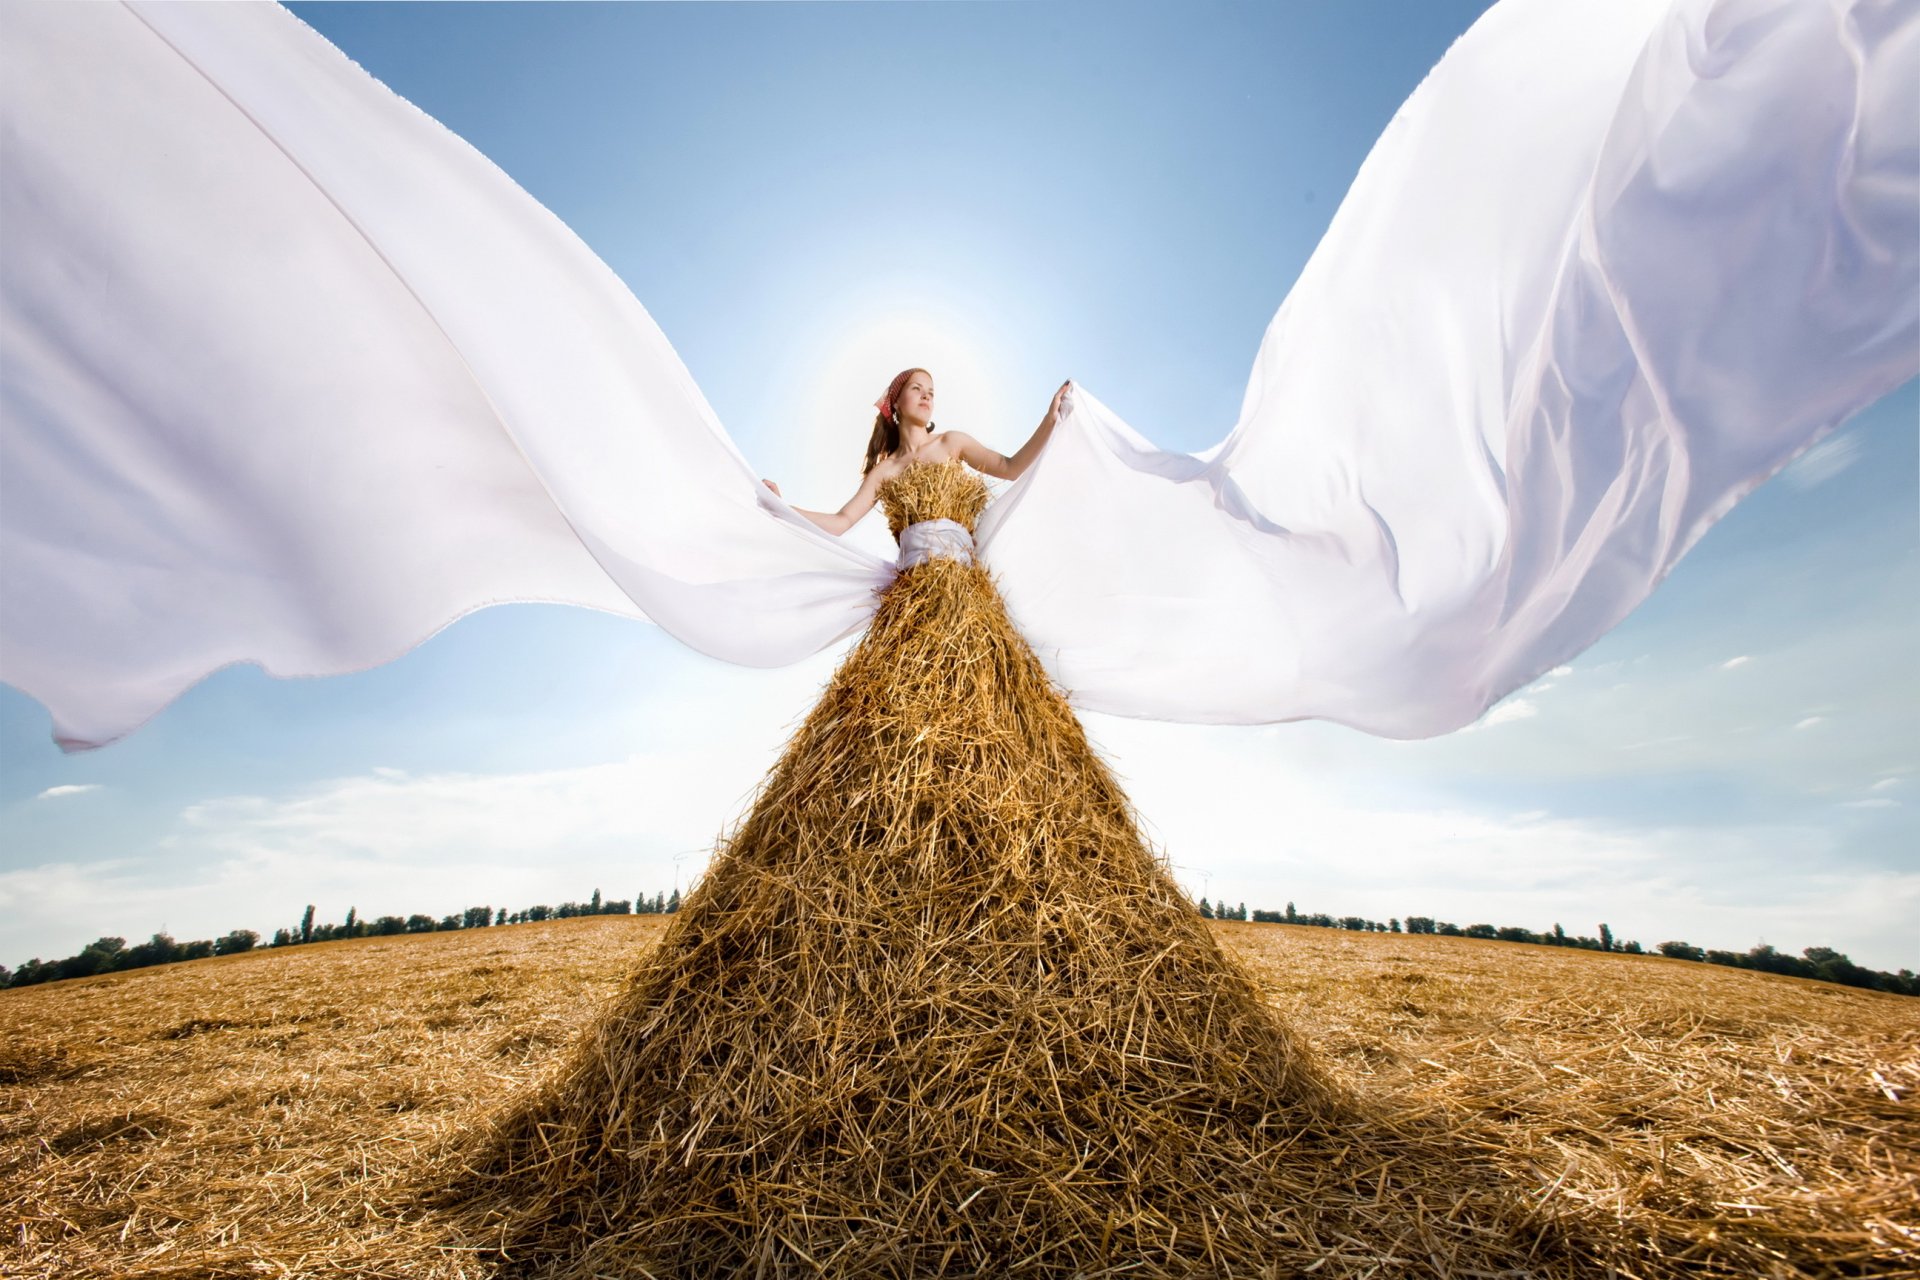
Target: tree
<point x="237" y="941"/>
<point x="306" y="925"/>
<point x="1353" y="924"/>
<point x="1606" y="938"/>
<point x="159" y="949"/>
<point x="1480" y="931"/>
<point x="1292" y="915"/>
<point x="595" y="904"/>
<point x="500" y="916"/>
<point x="418" y="923"/>
<point x="387" y="926"/>
<point x="99" y="956"/>
<point x="1206" y="909"/>
<point x="1393" y="925"/>
<point x="283" y="937"/>
<point x="673" y="901"/>
<point x="1681" y="951"/>
<point x="477" y="918"/>
<point x="347" y="929"/>
<point x="1419" y="924"/>
<point x="1559" y="935"/>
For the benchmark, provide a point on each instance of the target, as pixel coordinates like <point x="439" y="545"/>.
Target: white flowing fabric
<point x="292" y="375"/>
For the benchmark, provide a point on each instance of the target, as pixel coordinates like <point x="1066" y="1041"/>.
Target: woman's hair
<point x="886" y="423"/>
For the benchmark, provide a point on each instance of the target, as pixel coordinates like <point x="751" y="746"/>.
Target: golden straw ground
<point x="274" y="1113"/>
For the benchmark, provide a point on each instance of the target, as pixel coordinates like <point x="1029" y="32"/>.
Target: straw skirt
<point x="936" y="1008"/>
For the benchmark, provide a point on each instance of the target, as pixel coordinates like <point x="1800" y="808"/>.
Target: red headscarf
<point x="885" y="403"/>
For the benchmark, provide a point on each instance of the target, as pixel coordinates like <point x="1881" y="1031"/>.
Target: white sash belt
<point x="929" y="538"/>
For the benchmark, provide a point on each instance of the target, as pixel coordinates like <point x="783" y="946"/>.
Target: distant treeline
<point x="109" y="955"/>
<point x="1823" y="964"/>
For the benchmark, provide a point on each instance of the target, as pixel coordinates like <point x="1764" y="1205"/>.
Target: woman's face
<point x="915" y="404"/>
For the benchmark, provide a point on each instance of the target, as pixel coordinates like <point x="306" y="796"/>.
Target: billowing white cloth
<point x="291" y="375"/>
<point x="926" y="539"/>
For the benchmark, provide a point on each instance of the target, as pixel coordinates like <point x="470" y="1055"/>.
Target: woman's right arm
<point x="838" y="522"/>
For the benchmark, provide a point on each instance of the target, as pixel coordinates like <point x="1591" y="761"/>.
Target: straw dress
<point x="934" y="1007"/>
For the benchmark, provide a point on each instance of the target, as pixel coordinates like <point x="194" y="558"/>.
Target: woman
<point x="935" y="1004"/>
<point x="903" y="434"/>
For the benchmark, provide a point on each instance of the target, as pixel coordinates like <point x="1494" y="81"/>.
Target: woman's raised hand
<point x="771" y="485"/>
<point x="1062" y="401"/>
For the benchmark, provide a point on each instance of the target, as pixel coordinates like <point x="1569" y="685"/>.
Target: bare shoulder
<point x="976" y="455"/>
<point x="958" y="444"/>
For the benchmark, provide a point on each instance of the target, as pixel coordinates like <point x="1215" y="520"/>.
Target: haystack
<point x="935" y="1009"/>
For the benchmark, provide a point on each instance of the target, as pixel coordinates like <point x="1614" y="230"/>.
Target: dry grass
<point x="270" y="1113"/>
<point x="1700" y="1120"/>
<point x="277" y="1113"/>
<point x="936" y="1010"/>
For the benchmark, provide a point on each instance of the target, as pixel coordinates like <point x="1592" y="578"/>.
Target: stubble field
<point x="279" y="1113"/>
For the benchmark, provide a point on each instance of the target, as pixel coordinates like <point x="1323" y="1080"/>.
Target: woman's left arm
<point x="1000" y="465"/>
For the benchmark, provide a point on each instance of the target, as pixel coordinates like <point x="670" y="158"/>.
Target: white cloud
<point x="1740" y="661"/>
<point x="1508" y="711"/>
<point x="1888" y="784"/>
<point x="1243" y="819"/>
<point x="1872" y="802"/>
<point x="390" y="843"/>
<point x="70" y="789"/>
<point x="1668" y="740"/>
<point x="1810" y="721"/>
<point x="1823" y="462"/>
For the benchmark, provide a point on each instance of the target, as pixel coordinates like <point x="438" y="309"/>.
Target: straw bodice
<point x="924" y="491"/>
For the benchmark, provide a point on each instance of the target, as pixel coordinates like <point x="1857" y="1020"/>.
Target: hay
<point x="937" y="1010"/>
<point x="303" y="1145"/>
<point x="275" y="1113"/>
<point x="934" y="1009"/>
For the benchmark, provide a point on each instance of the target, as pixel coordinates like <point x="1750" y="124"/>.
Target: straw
<point x="303" y="1137"/>
<point x="935" y="1008"/>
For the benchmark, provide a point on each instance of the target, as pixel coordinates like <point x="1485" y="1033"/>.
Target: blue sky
<point x="807" y="197"/>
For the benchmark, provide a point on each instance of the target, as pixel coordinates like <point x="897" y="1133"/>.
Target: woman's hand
<point x="1061" y="401"/>
<point x="771" y="485"/>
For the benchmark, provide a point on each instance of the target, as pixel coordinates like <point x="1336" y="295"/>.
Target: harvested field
<point x="282" y="1113"/>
